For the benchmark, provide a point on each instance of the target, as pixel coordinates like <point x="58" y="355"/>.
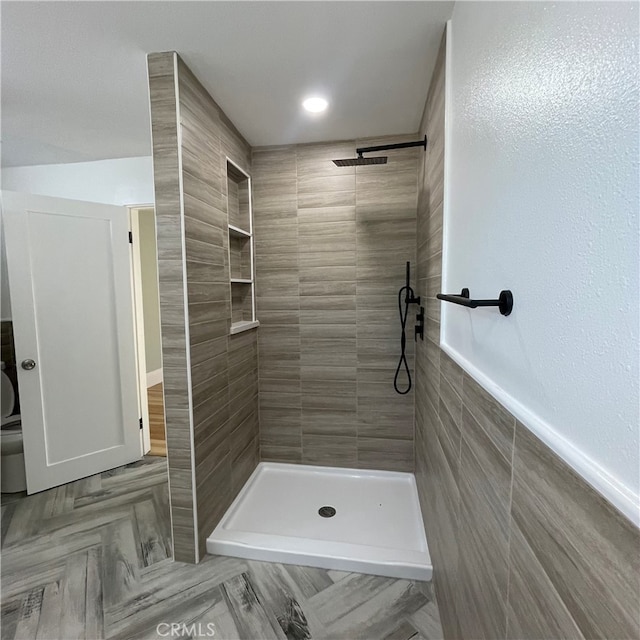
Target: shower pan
<point x="327" y="517"/>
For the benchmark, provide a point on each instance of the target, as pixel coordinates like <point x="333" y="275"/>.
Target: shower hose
<point x="403" y="340"/>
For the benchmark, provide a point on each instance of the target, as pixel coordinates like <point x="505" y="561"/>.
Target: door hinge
<point x="131" y="237"/>
<point x="140" y="423"/>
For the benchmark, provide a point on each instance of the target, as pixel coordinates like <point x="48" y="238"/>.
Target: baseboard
<point x="154" y="378"/>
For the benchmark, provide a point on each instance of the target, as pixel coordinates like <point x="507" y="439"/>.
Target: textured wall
<point x="545" y="152"/>
<point x="331" y="247"/>
<point x="522" y="546"/>
<point x="210" y="378"/>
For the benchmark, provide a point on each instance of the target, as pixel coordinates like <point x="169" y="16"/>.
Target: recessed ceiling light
<point x="315" y="105"/>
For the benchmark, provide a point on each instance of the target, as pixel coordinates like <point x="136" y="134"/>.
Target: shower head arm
<point x="388" y="147"/>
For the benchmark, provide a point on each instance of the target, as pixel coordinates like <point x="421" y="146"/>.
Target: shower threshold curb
<point x="280" y="515"/>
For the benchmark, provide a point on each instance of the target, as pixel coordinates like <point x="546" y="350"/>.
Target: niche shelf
<point x="238" y="233"/>
<point x="241" y="250"/>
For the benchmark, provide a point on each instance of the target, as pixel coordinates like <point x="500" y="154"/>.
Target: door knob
<point x="28" y="364"/>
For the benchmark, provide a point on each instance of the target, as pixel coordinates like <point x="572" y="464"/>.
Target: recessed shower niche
<point x="241" y="260"/>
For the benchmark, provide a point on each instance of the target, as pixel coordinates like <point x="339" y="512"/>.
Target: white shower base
<point x="377" y="527"/>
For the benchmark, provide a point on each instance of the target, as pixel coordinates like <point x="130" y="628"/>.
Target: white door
<point x="70" y="283"/>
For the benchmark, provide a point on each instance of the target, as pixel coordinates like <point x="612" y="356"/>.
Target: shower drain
<point x="327" y="512"/>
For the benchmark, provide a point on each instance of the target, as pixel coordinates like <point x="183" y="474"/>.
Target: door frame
<point x="138" y="319"/>
<point x="138" y="323"/>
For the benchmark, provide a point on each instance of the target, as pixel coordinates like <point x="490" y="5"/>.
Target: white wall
<point x="123" y="181"/>
<point x="542" y="198"/>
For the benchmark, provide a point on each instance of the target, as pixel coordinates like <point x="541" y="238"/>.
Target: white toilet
<point x="12" y="478"/>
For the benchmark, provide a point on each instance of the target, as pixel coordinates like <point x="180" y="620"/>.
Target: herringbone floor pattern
<point x="92" y="559"/>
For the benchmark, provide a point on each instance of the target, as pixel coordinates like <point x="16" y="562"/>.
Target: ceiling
<point x="74" y="85"/>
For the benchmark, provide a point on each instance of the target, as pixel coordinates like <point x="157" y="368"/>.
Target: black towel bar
<point x="504" y="302"/>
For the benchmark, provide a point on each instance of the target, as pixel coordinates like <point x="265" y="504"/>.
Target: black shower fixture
<point x="360" y="160"/>
<point x="409" y="298"/>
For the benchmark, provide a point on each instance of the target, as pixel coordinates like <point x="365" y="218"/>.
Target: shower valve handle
<point x="419" y="330"/>
<point x="411" y="298"/>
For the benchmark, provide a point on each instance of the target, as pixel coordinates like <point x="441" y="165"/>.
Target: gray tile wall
<point x="522" y="546"/>
<point x="218" y="401"/>
<point x="331" y="247"/>
<point x="164" y="128"/>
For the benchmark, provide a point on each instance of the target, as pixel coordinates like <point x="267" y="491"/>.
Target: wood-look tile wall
<point x="522" y="546"/>
<point x="210" y="377"/>
<point x="164" y="130"/>
<point x="331" y="247"/>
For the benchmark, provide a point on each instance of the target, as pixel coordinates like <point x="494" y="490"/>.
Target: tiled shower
<point x="331" y="246"/>
<point x="332" y="243"/>
<point x="521" y="545"/>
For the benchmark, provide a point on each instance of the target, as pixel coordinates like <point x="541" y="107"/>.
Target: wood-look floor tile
<point x="119" y="582"/>
<point x="155" y="398"/>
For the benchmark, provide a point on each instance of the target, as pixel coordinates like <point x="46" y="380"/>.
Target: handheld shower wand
<point x="409" y="298"/>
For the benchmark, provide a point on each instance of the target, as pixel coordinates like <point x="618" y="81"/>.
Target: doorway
<point x="147" y="319"/>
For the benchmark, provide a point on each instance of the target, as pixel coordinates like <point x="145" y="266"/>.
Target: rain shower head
<point x="360" y="161"/>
